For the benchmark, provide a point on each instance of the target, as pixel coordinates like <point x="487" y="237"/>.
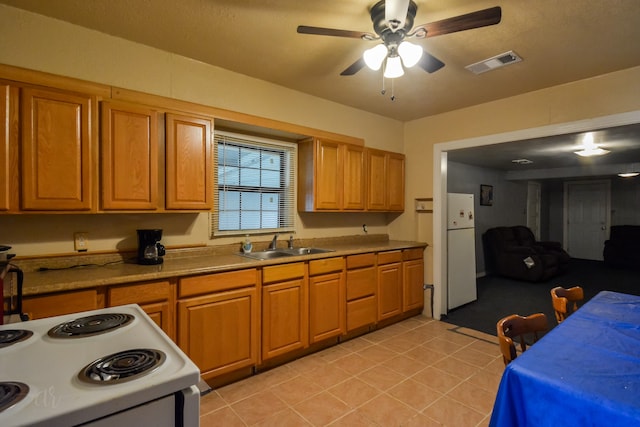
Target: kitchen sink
<point x="305" y="251"/>
<point x="279" y="253"/>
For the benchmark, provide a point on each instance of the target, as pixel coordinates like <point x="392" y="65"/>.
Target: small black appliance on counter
<point x="150" y="250"/>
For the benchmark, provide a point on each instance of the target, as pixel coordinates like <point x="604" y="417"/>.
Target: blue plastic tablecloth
<point x="584" y="372"/>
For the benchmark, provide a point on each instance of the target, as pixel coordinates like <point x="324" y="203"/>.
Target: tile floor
<point x="419" y="372"/>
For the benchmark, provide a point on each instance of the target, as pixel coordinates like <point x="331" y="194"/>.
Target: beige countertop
<point x="65" y="279"/>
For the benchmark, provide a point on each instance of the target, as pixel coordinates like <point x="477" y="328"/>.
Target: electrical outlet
<point x="81" y="241"/>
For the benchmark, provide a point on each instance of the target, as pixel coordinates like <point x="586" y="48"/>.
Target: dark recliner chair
<point x="513" y="252"/>
<point x="623" y="247"/>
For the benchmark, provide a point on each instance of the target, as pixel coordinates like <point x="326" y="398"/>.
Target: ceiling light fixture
<point x="589" y="148"/>
<point x="628" y="174"/>
<point x="408" y="52"/>
<point x="522" y="161"/>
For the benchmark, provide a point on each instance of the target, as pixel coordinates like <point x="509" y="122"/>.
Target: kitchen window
<point x="254" y="189"/>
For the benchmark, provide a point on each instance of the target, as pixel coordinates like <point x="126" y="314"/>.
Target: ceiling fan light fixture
<point x="410" y="53"/>
<point x="393" y="68"/>
<point x="375" y="56"/>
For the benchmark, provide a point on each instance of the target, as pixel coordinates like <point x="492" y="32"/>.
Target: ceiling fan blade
<point x="319" y="31"/>
<point x="395" y="12"/>
<point x="430" y="63"/>
<point x="481" y="18"/>
<point x="354" y="68"/>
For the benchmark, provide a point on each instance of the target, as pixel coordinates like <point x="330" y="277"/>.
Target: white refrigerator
<point x="461" y="250"/>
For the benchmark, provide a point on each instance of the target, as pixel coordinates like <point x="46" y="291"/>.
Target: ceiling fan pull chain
<point x="383" y="91"/>
<point x="393" y="95"/>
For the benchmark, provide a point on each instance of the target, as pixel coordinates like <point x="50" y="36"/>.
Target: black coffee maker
<point x="150" y="250"/>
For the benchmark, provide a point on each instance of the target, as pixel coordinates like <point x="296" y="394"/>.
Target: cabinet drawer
<point x="361" y="312"/>
<point x="278" y="273"/>
<point x="190" y="286"/>
<point x="361" y="283"/>
<point x="40" y="306"/>
<point x="361" y="260"/>
<point x="327" y="265"/>
<point x="409" y="254"/>
<point x="140" y="293"/>
<point x="389" y="257"/>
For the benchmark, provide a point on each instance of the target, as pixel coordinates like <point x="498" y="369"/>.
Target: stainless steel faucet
<point x="291" y="242"/>
<point x="273" y="245"/>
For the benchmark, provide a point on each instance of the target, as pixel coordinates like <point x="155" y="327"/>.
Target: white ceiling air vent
<point x="496" y="62"/>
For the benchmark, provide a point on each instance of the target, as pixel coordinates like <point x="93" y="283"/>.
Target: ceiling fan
<point x="393" y="24"/>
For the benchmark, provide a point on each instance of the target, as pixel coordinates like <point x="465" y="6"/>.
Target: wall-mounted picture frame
<point x="486" y="195"/>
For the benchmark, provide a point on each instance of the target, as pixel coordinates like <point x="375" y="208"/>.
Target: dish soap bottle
<point x="247" y="246"/>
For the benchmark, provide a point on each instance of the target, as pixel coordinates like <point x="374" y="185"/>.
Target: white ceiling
<point x="559" y="41"/>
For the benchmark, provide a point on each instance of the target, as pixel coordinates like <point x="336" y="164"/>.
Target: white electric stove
<point x="108" y="367"/>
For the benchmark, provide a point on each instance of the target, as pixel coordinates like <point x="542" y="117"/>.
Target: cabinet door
<point x="328" y="176"/>
<point x="155" y="298"/>
<point x="376" y="180"/>
<point x="326" y="306"/>
<point x="413" y="277"/>
<point x="219" y="332"/>
<point x="354" y="178"/>
<point x="5" y="178"/>
<point x="285" y="324"/>
<point x="189" y="166"/>
<point x="389" y="290"/>
<point x="129" y="157"/>
<point x="395" y="182"/>
<point x="57" y="158"/>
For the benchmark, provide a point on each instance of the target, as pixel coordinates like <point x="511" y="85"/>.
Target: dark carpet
<point x="499" y="297"/>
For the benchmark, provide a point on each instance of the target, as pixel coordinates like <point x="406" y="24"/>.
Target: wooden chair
<point x="565" y="301"/>
<point x="516" y="326"/>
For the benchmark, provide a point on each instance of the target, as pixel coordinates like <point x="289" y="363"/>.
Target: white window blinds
<point x="254" y="188"/>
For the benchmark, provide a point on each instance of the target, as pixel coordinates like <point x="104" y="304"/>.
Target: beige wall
<point x="39" y="43"/>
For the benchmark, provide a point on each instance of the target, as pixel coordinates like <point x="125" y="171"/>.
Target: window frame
<point x="286" y="212"/>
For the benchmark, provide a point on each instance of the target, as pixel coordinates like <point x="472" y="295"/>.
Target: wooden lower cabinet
<point x="413" y="279"/>
<point x="361" y="290"/>
<point x="218" y="330"/>
<point x="155" y="298"/>
<point x="389" y="284"/>
<point x="49" y="305"/>
<point x="285" y="315"/>
<point x="326" y="299"/>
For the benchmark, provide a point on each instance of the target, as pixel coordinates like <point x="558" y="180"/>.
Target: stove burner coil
<point x="12" y="336"/>
<point x="90" y="325"/>
<point x="122" y="366"/>
<point x="12" y="393"/>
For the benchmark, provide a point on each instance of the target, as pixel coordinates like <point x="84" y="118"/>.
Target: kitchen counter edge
<point x="69" y="279"/>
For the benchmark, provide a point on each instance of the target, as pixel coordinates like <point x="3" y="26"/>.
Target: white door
<point x="533" y="208"/>
<point x="587" y="208"/>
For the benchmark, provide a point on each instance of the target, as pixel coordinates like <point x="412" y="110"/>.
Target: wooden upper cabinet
<point x="327" y="172"/>
<point x="331" y="176"/>
<point x="189" y="168"/>
<point x="129" y="157"/>
<point x="376" y="180"/>
<point x="395" y="186"/>
<point x="5" y="178"/>
<point x="57" y="158"/>
<point x="385" y="180"/>
<point x="354" y="178"/>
